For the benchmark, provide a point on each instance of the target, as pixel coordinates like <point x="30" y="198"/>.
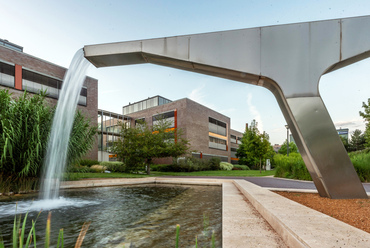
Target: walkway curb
<point x="300" y="226"/>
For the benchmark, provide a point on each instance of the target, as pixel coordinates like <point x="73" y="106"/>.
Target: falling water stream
<point x="62" y="125"/>
<point x="139" y="217"/>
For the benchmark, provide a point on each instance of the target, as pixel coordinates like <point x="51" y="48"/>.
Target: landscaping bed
<point x="355" y="212"/>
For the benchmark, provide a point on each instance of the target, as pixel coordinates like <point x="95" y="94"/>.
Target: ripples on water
<point x="141" y="216"/>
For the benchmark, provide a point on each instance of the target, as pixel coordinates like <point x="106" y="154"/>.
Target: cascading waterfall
<point x="57" y="150"/>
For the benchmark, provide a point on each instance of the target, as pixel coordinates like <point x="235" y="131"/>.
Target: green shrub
<point x="190" y="164"/>
<point x="361" y="162"/>
<point x="88" y="162"/>
<point x="226" y="166"/>
<point x="80" y="169"/>
<point x="240" y="167"/>
<point x="214" y="163"/>
<point x="291" y="166"/>
<point x="114" y="166"/>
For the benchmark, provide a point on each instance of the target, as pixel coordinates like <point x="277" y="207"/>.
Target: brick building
<point x="208" y="131"/>
<point x="20" y="71"/>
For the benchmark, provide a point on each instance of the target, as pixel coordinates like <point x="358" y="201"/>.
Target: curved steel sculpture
<point x="286" y="59"/>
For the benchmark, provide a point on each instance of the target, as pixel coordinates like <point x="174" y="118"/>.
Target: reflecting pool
<point x="137" y="216"/>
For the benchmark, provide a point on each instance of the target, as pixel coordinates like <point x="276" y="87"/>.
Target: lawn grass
<point x="77" y="176"/>
<point x="233" y="173"/>
<point x="220" y="173"/>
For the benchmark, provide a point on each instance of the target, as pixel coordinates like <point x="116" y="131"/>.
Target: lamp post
<point x="287" y="140"/>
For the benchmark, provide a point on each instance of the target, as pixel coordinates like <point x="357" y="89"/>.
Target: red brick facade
<point x="22" y="60"/>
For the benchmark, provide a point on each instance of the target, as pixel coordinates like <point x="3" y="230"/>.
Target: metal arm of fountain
<point x="286" y="59"/>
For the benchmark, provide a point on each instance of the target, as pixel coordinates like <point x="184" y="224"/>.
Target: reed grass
<point x="177" y="235"/>
<point x="18" y="234"/>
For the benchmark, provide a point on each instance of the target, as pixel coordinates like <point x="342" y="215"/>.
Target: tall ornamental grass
<point x="294" y="167"/>
<point x="24" y="128"/>
<point x="25" y="124"/>
<point x="361" y="162"/>
<point x="291" y="166"/>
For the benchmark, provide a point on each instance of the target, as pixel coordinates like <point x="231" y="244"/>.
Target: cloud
<point x="256" y="115"/>
<point x="351" y="124"/>
<point x="198" y="96"/>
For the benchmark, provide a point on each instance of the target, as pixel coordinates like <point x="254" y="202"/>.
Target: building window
<point x="233" y="152"/>
<point x="7" y="73"/>
<point x="35" y="82"/>
<point x="167" y="117"/>
<point x="217" y="127"/>
<point x="217" y="143"/>
<point x="145" y="104"/>
<point x="139" y="121"/>
<point x="233" y="139"/>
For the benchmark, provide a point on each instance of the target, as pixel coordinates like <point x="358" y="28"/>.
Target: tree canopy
<point x="254" y="147"/>
<point x="357" y="141"/>
<point x="292" y="148"/>
<point x="141" y="144"/>
<point x="366" y="116"/>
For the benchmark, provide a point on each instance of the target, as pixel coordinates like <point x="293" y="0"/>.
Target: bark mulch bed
<point x="355" y="212"/>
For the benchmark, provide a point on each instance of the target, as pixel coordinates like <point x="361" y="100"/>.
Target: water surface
<point x="139" y="216"/>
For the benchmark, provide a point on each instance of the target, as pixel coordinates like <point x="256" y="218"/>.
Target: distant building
<point x="343" y="132"/>
<point x="208" y="131"/>
<point x="276" y="148"/>
<point x="20" y="71"/>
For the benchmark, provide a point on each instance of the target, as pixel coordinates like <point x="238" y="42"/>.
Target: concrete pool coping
<point x="297" y="225"/>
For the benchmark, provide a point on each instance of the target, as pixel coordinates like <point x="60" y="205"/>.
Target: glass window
<point x="7" y="73"/>
<point x="82" y="100"/>
<point x="217" y="143"/>
<point x="216" y="126"/>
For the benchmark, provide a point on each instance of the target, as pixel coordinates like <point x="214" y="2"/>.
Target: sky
<point x="55" y="30"/>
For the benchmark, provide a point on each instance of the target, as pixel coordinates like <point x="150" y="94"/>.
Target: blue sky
<point x="55" y="30"/>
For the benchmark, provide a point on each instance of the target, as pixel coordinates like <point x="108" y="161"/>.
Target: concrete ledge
<point x="134" y="181"/>
<point x="300" y="226"/>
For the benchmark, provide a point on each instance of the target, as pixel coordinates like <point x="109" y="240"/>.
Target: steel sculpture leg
<point x="286" y="59"/>
<point x="322" y="150"/>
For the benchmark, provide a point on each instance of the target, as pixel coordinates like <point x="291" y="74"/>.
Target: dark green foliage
<point x="140" y="145"/>
<point x="25" y="125"/>
<point x="189" y="164"/>
<point x="291" y="167"/>
<point x="357" y="141"/>
<point x="13" y="183"/>
<point x="361" y="162"/>
<point x="292" y="148"/>
<point x="79" y="169"/>
<point x="345" y="143"/>
<point x="255" y="147"/>
<point x="214" y="163"/>
<point x="115" y="166"/>
<point x="88" y="162"/>
<point x="82" y="138"/>
<point x="366" y="116"/>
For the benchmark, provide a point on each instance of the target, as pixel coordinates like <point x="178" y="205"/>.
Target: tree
<point x="366" y="116"/>
<point x="345" y="142"/>
<point x="357" y="141"/>
<point x="292" y="148"/>
<point x="254" y="147"/>
<point x="141" y="144"/>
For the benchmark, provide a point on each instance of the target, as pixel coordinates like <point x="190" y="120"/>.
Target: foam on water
<point x="44" y="205"/>
<point x="57" y="150"/>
